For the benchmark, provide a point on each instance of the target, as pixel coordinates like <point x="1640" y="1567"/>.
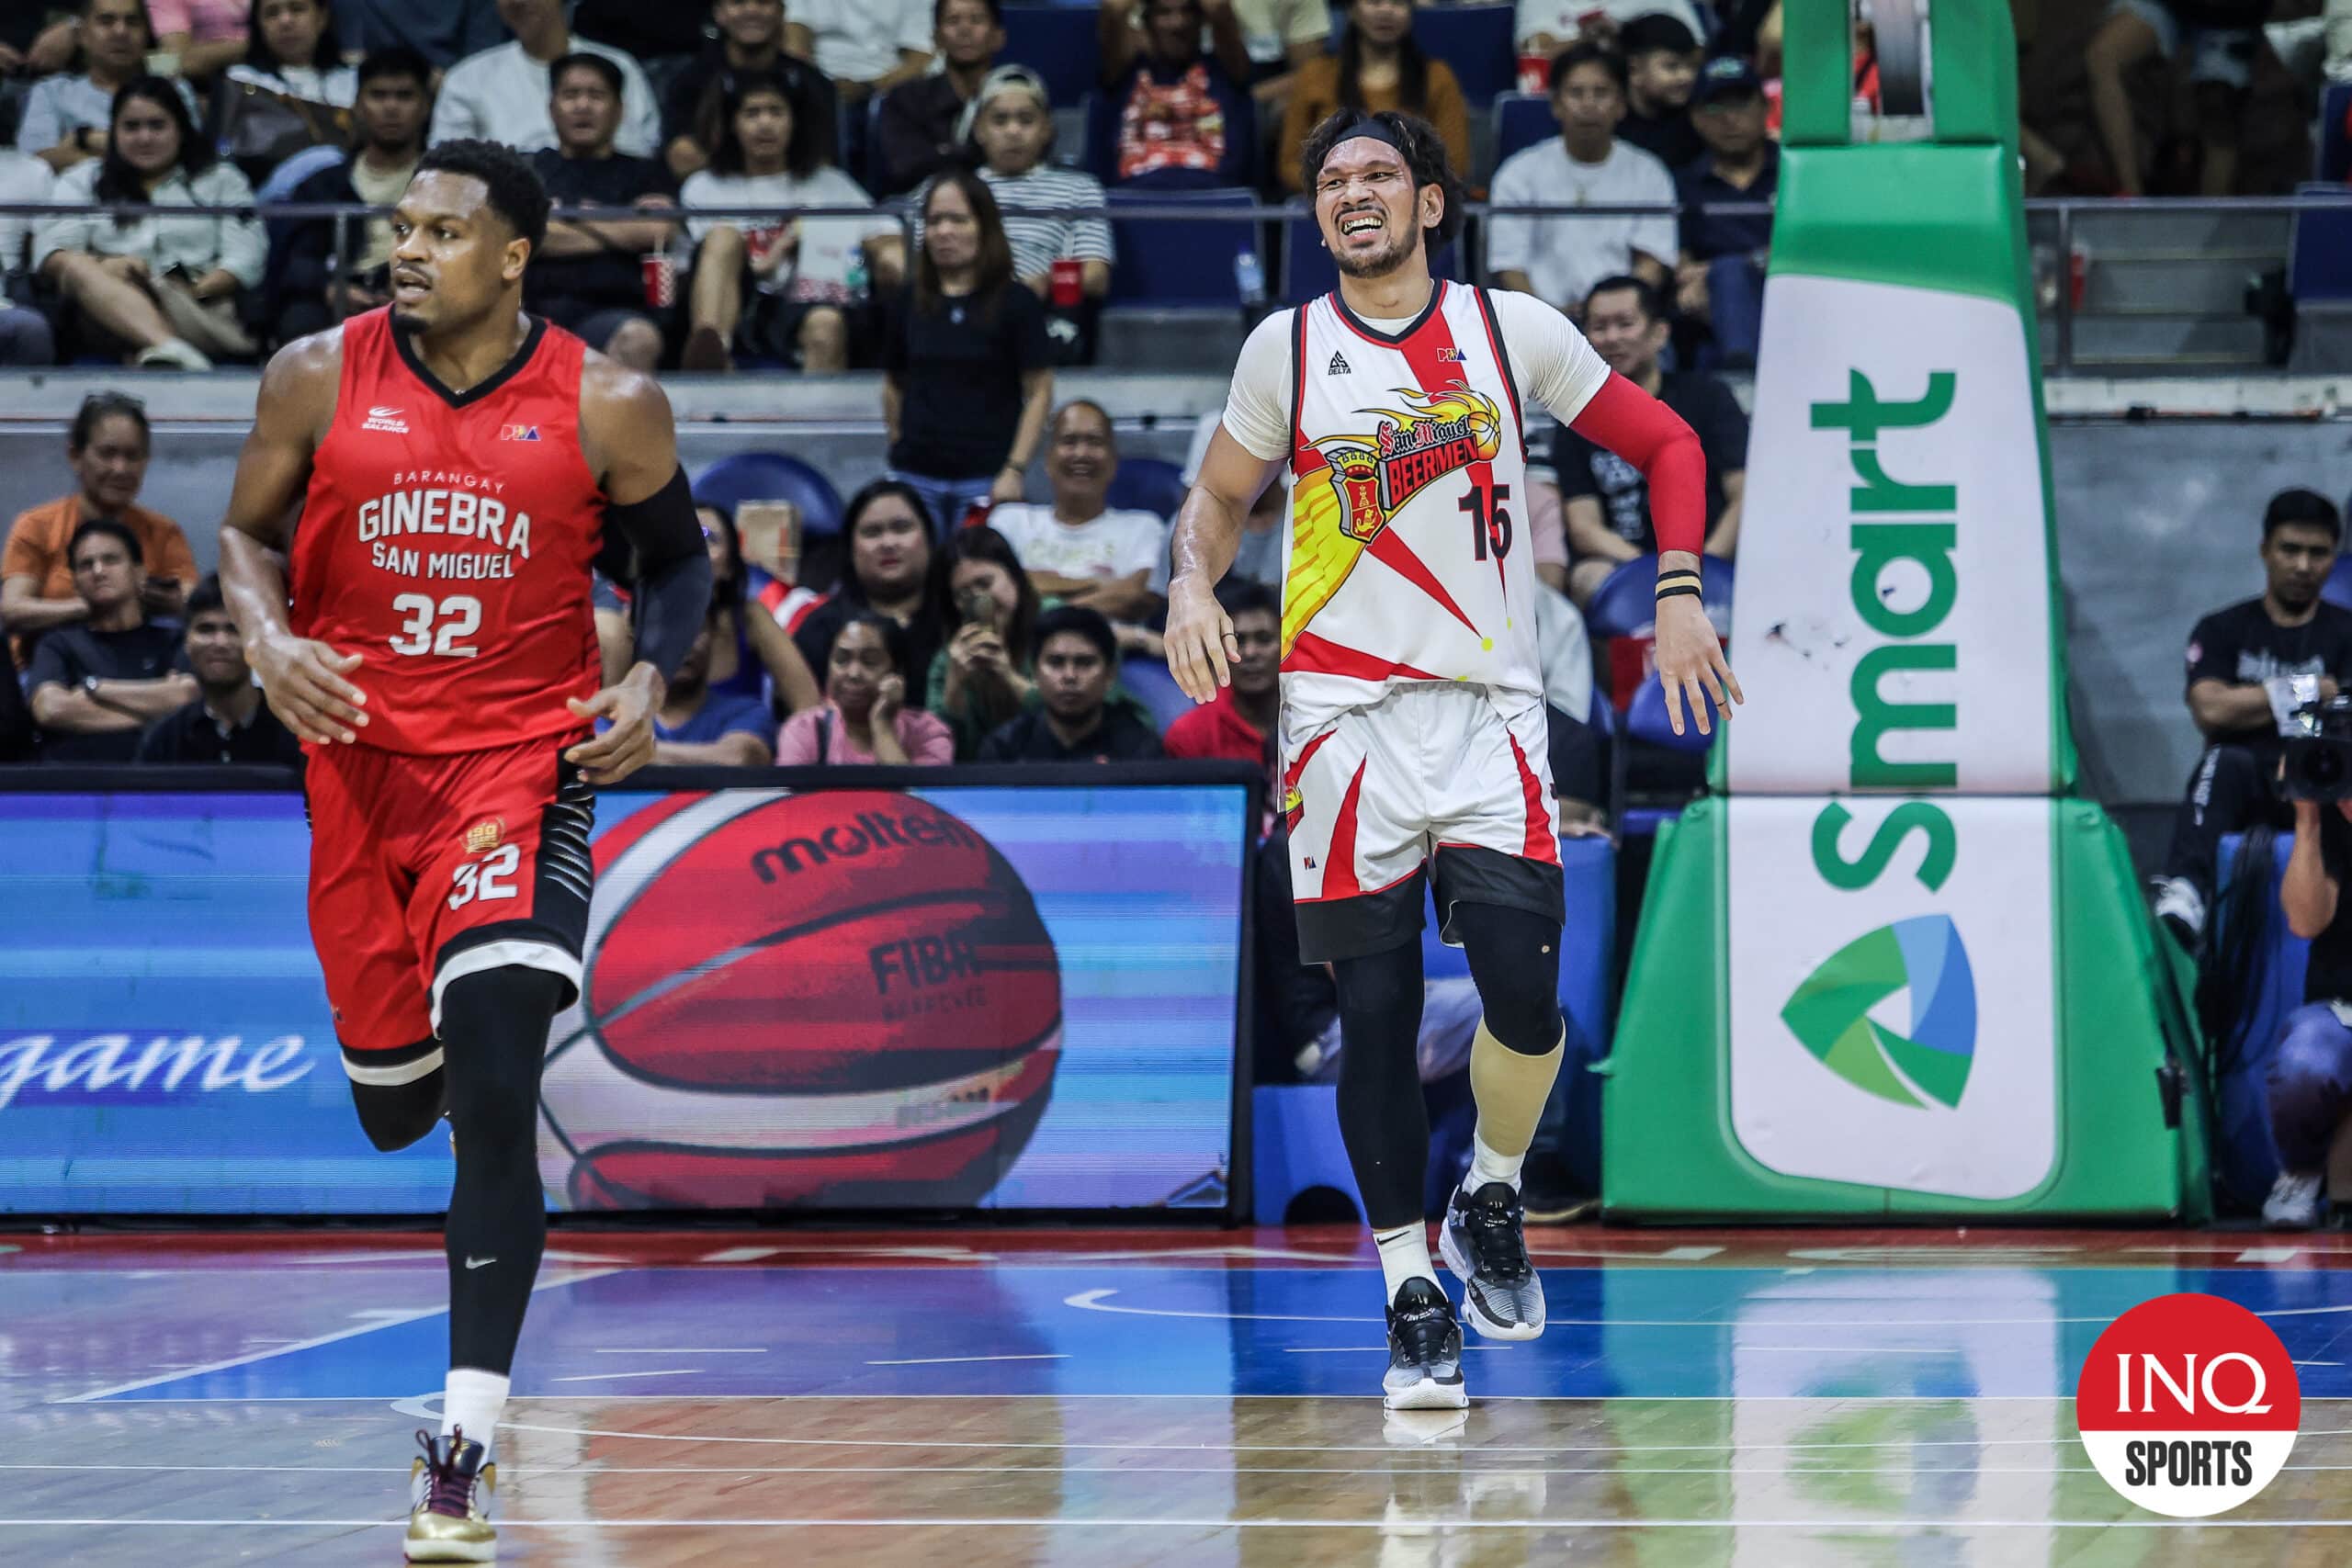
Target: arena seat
<point x="1625" y="603"/>
<point x="1477" y="41"/>
<point x="1147" y="681"/>
<point x="1174" y="260"/>
<point x="2332" y="159"/>
<point x="2319" y="250"/>
<point x="1521" y="120"/>
<point x="771" y="476"/>
<point x="1148" y="484"/>
<point x="1646" y="721"/>
<point x="1294" y="1128"/>
<point x="1307" y="269"/>
<point x="1060" y="45"/>
<point x="2337" y="589"/>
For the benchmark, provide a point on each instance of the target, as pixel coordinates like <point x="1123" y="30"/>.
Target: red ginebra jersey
<point x="446" y="539"/>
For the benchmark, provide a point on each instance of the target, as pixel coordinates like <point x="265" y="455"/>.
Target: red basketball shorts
<point x="1434" y="782"/>
<point x="427" y="868"/>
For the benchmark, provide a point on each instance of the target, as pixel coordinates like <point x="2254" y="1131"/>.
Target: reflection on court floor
<point x="1174" y="1398"/>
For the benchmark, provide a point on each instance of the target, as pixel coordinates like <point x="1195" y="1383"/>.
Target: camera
<point x="2318" y="762"/>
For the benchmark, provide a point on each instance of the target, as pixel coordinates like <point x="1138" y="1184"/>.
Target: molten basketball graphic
<point x="836" y="998"/>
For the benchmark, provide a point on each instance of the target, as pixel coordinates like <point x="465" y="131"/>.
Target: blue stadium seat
<point x="2332" y="163"/>
<point x="1307" y="272"/>
<point x="1477" y="41"/>
<point x="1148" y="484"/>
<point x="1174" y="260"/>
<point x="1626" y="601"/>
<point x="1149" y="681"/>
<point x="771" y="476"/>
<point x="2319" y="254"/>
<point x="1059" y="43"/>
<point x="1521" y="120"/>
<point x="2337" y="589"/>
<point x="1646" y="721"/>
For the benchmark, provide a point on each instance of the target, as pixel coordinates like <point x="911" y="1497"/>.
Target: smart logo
<point x="1830" y="1012"/>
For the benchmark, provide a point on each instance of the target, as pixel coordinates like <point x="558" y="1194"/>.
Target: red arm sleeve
<point x="1653" y="437"/>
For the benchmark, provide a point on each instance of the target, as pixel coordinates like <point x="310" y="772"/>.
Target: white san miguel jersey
<point x="1408" y="557"/>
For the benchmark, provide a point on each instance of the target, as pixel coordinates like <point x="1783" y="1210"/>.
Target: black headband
<point x="1367" y="125"/>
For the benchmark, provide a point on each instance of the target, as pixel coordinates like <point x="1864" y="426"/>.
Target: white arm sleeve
<point x="1257" y="411"/>
<point x="1549" y="357"/>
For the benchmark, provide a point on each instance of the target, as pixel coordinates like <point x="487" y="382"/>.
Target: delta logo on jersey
<point x="2188" y="1406"/>
<point x="1373" y="477"/>
<point x="1830" y="1012"/>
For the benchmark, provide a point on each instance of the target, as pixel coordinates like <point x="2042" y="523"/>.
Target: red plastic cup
<point x="1534" y="73"/>
<point x="1069" y="283"/>
<point x="660" y="279"/>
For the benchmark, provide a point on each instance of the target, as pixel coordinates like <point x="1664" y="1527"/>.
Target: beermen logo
<point x="2188" y="1406"/>
<point x="1375" y="475"/>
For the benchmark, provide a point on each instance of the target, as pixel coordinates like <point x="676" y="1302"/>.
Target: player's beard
<point x="1381" y="263"/>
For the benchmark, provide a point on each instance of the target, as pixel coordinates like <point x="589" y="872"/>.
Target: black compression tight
<point x="1381" y="1119"/>
<point x="494" y="1032"/>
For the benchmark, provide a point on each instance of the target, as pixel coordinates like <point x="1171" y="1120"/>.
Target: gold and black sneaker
<point x="448" y="1517"/>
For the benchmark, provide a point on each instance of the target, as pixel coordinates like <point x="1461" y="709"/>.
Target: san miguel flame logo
<point x="1373" y="477"/>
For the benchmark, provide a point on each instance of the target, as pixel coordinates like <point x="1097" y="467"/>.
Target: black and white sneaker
<point x="1424" y="1351"/>
<point x="1484" y="1242"/>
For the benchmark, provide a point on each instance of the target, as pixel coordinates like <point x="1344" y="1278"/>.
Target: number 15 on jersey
<point x="1489" y="519"/>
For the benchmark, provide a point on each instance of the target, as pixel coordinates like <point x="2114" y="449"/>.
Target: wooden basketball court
<point x="1172" y="1397"/>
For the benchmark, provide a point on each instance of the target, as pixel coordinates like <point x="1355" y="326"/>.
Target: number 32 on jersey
<point x="437" y="629"/>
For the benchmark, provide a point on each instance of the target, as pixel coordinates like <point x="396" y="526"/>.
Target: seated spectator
<point x="1378" y="66"/>
<point x="443" y="31"/>
<point x="66" y="117"/>
<point x="156" y="291"/>
<point x="94" y="685"/>
<point x="750" y="38"/>
<point x="287" y="91"/>
<point x="865" y="46"/>
<point x="920" y="129"/>
<point x="865" y="717"/>
<point x="1013" y="128"/>
<point x="1076" y="550"/>
<point x="2240" y="662"/>
<point x="2223" y="38"/>
<point x="698" y="728"/>
<point x="108" y="447"/>
<point x="203" y="37"/>
<point x="1239" y="724"/>
<point x="1661" y="63"/>
<point x="24" y="334"/>
<point x="589" y="277"/>
<point x="982" y="600"/>
<point x="1184" y="117"/>
<point x="1559" y="260"/>
<point x="227" y="722"/>
<point x="2310" y="1078"/>
<point x="807" y="281"/>
<point x="1721" y="275"/>
<point x="1547" y="26"/>
<point x="1283" y="37"/>
<point x="502" y="93"/>
<point x="1605" y="500"/>
<point x="1077" y="657"/>
<point x="751" y="654"/>
<point x="969" y="368"/>
<point x="300" y="294"/>
<point x="889" y="532"/>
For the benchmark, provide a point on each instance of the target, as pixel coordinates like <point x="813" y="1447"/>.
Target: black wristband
<point x="1680" y="571"/>
<point x="1680" y="588"/>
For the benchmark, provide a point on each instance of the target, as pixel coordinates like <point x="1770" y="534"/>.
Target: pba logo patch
<point x="484" y="835"/>
<point x="2188" y="1406"/>
<point x="518" y="432"/>
<point x="1449" y="356"/>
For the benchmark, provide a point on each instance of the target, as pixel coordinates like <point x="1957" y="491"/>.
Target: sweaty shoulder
<point x="1257" y="410"/>
<point x="1550" y="358"/>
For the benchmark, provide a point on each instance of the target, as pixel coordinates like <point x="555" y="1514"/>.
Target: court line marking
<point x="376" y="1321"/>
<point x="947" y="1361"/>
<point x="690" y="1350"/>
<point x="1096" y="1522"/>
<point x="615" y="1377"/>
<point x="1095" y="1301"/>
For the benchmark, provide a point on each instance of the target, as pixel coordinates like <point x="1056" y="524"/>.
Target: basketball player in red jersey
<point x="459" y="467"/>
<point x="1412" y="727"/>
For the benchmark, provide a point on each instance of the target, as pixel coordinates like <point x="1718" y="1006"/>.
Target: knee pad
<point x="1524" y="1015"/>
<point x="1515" y="959"/>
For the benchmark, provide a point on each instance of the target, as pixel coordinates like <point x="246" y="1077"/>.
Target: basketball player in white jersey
<point x="1412" y="724"/>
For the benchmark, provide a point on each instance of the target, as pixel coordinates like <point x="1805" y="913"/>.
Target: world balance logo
<point x="1830" y="1012"/>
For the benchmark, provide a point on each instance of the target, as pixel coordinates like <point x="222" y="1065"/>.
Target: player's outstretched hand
<point x="628" y="745"/>
<point x="1202" y="649"/>
<point x="1691" y="664"/>
<point x="303" y="682"/>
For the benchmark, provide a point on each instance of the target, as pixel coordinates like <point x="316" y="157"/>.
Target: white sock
<point x="1404" y="1254"/>
<point x="474" y="1400"/>
<point x="1487" y="1166"/>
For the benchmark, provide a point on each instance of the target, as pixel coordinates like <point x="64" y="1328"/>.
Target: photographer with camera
<point x="2311" y="1076"/>
<point x="2241" y="661"/>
